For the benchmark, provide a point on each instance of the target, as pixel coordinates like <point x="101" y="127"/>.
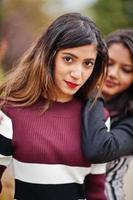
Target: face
<point x="73" y="66"/>
<point x="120" y="71"/>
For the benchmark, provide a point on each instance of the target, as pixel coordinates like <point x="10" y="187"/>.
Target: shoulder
<point x="125" y="120"/>
<point x="9" y="108"/>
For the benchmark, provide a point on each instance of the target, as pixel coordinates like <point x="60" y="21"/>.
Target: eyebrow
<point x="124" y="64"/>
<point x="70" y="54"/>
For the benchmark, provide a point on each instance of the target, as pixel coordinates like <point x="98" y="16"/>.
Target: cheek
<point x="57" y="71"/>
<point x="56" y="75"/>
<point x="87" y="74"/>
<point x="127" y="84"/>
<point x="126" y="81"/>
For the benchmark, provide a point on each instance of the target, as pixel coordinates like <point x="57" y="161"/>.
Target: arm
<point x="5" y="143"/>
<point x="95" y="183"/>
<point x="100" y="145"/>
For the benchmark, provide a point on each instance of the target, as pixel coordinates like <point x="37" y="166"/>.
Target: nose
<point x="76" y="73"/>
<point x="113" y="71"/>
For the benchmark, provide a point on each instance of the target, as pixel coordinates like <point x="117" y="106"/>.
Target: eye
<point x="67" y="59"/>
<point x="127" y="71"/>
<point x="111" y="62"/>
<point x="89" y="63"/>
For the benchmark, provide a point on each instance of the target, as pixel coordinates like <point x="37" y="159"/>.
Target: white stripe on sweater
<point x="5" y="160"/>
<point x="49" y="173"/>
<point x="5" y="126"/>
<point x="52" y="173"/>
<point x="98" y="168"/>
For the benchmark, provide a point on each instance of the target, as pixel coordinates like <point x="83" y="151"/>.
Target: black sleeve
<point x="98" y="144"/>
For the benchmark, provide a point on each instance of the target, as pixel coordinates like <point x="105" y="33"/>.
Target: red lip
<point x="109" y="83"/>
<point x="71" y="84"/>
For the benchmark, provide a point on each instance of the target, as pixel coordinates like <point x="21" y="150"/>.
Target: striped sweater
<point x="45" y="150"/>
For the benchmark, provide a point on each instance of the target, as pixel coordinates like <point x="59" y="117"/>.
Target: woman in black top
<point x="99" y="145"/>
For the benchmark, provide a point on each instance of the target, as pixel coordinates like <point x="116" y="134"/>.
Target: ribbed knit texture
<point x="47" y="157"/>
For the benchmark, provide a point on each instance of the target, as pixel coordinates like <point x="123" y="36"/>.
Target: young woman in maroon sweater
<point x="41" y="111"/>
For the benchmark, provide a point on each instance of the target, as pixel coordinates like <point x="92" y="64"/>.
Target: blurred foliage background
<point x="22" y="20"/>
<point x="110" y="15"/>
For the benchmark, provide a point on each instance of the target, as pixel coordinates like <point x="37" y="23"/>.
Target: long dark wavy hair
<point x="33" y="77"/>
<point x="122" y="104"/>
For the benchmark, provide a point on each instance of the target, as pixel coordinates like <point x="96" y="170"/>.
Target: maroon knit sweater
<point x="46" y="154"/>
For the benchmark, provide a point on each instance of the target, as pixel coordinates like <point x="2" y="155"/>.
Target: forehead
<point x="84" y="51"/>
<point x="121" y="53"/>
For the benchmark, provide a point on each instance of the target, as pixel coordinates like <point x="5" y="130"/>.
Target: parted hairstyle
<point x="125" y="37"/>
<point x="33" y="77"/>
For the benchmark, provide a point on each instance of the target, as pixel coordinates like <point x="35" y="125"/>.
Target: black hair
<point x="34" y="76"/>
<point x="123" y="102"/>
<point x="74" y="30"/>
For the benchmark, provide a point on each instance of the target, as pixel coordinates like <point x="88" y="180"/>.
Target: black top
<point x="98" y="144"/>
